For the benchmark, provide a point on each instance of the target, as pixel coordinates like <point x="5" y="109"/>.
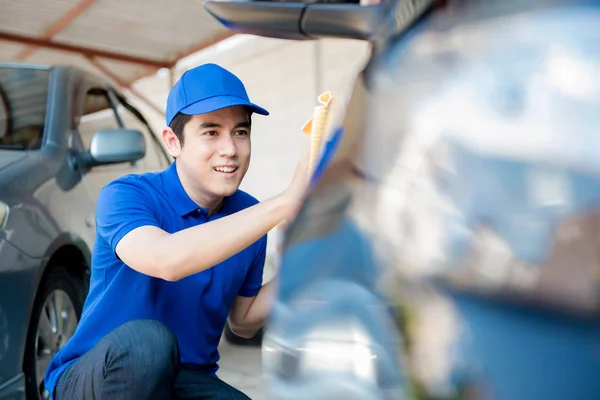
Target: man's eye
<point x="211" y="133"/>
<point x="242" y="132"/>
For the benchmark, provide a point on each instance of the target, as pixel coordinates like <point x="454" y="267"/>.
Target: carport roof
<point x="123" y="39"/>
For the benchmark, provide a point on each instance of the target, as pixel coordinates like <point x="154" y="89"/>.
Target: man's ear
<point x="171" y="142"/>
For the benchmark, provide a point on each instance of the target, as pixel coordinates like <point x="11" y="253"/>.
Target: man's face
<point x="216" y="152"/>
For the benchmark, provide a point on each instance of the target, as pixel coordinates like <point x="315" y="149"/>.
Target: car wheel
<point x="54" y="317"/>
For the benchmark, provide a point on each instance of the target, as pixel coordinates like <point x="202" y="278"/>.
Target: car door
<point x="103" y="108"/>
<point x="93" y="111"/>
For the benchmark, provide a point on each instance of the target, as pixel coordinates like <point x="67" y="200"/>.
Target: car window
<point x="97" y="114"/>
<point x="23" y="100"/>
<point x="155" y="158"/>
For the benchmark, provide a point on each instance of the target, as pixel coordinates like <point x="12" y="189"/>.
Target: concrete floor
<point x="240" y="366"/>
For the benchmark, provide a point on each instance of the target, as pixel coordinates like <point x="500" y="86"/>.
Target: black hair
<point x="177" y="125"/>
<point x="180" y="120"/>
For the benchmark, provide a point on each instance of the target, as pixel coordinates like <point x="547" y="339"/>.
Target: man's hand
<point x="296" y="192"/>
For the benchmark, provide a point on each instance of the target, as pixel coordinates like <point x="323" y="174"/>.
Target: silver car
<point x="64" y="134"/>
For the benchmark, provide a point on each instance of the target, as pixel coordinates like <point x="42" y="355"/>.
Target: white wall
<point x="285" y="77"/>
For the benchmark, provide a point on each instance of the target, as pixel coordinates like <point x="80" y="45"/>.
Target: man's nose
<point x="227" y="147"/>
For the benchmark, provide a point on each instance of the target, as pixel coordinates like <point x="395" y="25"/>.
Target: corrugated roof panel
<point x="157" y="29"/>
<point x="9" y="50"/>
<point x="32" y="17"/>
<point x="53" y="57"/>
<point x="127" y="72"/>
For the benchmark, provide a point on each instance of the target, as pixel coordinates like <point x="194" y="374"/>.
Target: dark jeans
<point x="138" y="360"/>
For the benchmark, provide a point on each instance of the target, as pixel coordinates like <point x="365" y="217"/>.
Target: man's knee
<point x="147" y="342"/>
<point x="151" y="332"/>
<point x="139" y="359"/>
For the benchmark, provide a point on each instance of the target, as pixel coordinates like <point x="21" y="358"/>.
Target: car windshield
<point x="23" y="99"/>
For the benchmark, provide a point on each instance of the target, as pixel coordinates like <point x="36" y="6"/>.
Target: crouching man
<point x="177" y="253"/>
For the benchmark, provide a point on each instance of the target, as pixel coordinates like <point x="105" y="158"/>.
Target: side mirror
<point x="113" y="146"/>
<point x="314" y="19"/>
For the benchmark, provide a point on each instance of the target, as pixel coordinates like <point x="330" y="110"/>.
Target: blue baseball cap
<point x="207" y="88"/>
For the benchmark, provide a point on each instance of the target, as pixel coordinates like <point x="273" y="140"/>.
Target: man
<point x="176" y="254"/>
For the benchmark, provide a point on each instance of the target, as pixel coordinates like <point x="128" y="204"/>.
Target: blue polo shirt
<point x="194" y="308"/>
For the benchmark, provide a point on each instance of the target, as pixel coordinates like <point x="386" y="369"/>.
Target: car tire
<point x="59" y="294"/>
<point x="232" y="338"/>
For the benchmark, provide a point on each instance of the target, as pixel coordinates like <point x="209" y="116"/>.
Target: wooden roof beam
<point x="85" y="51"/>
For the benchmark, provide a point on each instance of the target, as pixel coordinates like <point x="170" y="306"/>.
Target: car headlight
<point x="334" y="340"/>
<point x="343" y="349"/>
<point x="335" y="360"/>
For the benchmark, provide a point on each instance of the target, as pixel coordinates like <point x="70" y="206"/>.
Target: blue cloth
<point x="194" y="308"/>
<point x="207" y="88"/>
<point x="329" y="150"/>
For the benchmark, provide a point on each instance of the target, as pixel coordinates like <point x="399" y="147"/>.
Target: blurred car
<point x="64" y="134"/>
<point x="448" y="248"/>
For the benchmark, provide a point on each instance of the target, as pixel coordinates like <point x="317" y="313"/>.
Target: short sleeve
<point x="254" y="277"/>
<point x="122" y="207"/>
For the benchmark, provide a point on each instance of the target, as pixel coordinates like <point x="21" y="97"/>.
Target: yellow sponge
<point x="315" y="127"/>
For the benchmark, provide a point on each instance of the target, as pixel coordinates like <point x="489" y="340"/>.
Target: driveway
<point x="240" y="366"/>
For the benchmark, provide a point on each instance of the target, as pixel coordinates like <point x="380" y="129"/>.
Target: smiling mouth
<point x="226" y="170"/>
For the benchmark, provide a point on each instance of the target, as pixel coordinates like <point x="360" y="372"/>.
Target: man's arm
<point x="249" y="314"/>
<point x="154" y="252"/>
